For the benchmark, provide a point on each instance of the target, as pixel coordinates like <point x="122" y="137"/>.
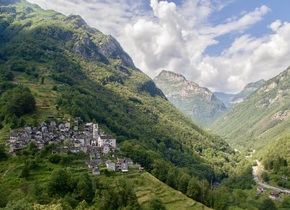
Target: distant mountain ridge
<point x="197" y="102"/>
<point x="230" y="100"/>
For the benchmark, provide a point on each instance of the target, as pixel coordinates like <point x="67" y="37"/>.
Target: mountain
<point x="199" y="103"/>
<point x="231" y="100"/>
<point x="224" y="97"/>
<point x="260" y="118"/>
<point x="55" y="67"/>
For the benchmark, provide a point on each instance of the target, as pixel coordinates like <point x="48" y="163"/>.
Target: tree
<point x="84" y="191"/>
<point x="3" y="155"/>
<point x="25" y="171"/>
<point x="156" y="204"/>
<point x="54" y="158"/>
<point x="22" y="204"/>
<point x="18" y="101"/>
<point x="59" y="183"/>
<point x="286" y="202"/>
<point x="194" y="189"/>
<point x="265" y="176"/>
<point x="3" y="195"/>
<point x="82" y="205"/>
<point x="171" y="177"/>
<point x="268" y="204"/>
<point x="240" y="197"/>
<point x="160" y="169"/>
<point x="221" y="198"/>
<point x="183" y="180"/>
<point x="121" y="196"/>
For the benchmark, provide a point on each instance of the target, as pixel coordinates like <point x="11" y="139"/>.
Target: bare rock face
<point x="197" y="102"/>
<point x="112" y="49"/>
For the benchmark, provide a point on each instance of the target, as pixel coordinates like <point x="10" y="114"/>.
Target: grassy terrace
<point x="148" y="187"/>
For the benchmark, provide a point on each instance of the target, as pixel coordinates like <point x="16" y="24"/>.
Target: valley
<point x="81" y="127"/>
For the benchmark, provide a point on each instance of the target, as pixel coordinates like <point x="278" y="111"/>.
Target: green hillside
<point x="262" y="117"/>
<point x="55" y="67"/>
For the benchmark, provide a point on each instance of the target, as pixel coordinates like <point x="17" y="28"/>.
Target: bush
<point x="156" y="204"/>
<point x="54" y="158"/>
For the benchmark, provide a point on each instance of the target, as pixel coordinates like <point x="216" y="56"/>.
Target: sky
<point x="219" y="44"/>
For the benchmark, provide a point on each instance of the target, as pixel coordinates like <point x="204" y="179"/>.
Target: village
<point x="73" y="136"/>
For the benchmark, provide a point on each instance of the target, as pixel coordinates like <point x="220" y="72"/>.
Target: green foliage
<point x="15" y="103"/>
<point x="3" y="155"/>
<point x="123" y="100"/>
<point x="259" y="119"/>
<point x="268" y="204"/>
<point x="54" y="158"/>
<point x="40" y="54"/>
<point x="156" y="204"/>
<point x="239" y="198"/>
<point x="59" y="183"/>
<point x="194" y="189"/>
<point x="241" y="180"/>
<point x="221" y="198"/>
<point x="265" y="176"/>
<point x="25" y="171"/>
<point x="84" y="190"/>
<point x="286" y="202"/>
<point x="122" y="196"/>
<point x="3" y="196"/>
<point x="22" y="204"/>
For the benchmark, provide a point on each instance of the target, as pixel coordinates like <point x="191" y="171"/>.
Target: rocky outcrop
<point x="197" y="102"/>
<point x="110" y="48"/>
<point x="86" y="48"/>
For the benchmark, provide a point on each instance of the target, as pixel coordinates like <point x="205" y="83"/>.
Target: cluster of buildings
<point x="71" y="136"/>
<point x="121" y="165"/>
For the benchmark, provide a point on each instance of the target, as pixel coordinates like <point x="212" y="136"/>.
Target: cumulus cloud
<point x="106" y="15"/>
<point x="249" y="59"/>
<point x="165" y="35"/>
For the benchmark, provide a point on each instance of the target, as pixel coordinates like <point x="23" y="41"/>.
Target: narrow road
<point x="263" y="184"/>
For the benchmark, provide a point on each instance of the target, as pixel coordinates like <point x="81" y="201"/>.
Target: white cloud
<point x="175" y="37"/>
<point x="105" y="15"/>
<point x="249" y="59"/>
<point x="240" y="24"/>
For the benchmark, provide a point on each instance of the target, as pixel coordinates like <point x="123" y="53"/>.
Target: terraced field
<point x="149" y="187"/>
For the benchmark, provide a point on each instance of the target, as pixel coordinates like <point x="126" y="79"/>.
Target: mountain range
<point x="199" y="103"/>
<point x="55" y="66"/>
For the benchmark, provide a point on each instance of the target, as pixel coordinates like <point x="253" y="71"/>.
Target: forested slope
<point x="259" y="119"/>
<point x="53" y="66"/>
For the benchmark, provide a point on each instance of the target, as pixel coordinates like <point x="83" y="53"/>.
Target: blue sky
<point x="219" y="44"/>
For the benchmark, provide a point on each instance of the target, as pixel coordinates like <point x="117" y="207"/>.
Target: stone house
<point x="110" y="165"/>
<point x="106" y="140"/>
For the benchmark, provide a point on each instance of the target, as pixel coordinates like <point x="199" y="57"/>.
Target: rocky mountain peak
<point x="197" y="102"/>
<point x="169" y="76"/>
